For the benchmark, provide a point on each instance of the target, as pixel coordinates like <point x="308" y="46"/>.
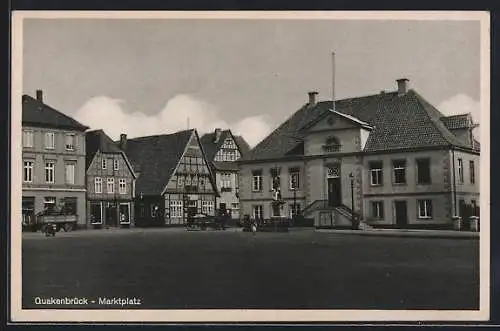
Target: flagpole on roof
<point x="333" y="81"/>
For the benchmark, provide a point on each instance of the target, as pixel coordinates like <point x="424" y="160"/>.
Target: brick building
<point x="110" y="183"/>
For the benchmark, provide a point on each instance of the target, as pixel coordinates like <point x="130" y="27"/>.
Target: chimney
<point x="123" y="141"/>
<point x="402" y="86"/>
<point x="218" y="132"/>
<point x="39" y="95"/>
<point x="312" y="98"/>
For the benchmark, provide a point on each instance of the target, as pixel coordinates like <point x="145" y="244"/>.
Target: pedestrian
<point x="254" y="227"/>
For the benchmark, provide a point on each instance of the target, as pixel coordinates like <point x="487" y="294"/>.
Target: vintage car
<point x="203" y="222"/>
<point x="62" y="219"/>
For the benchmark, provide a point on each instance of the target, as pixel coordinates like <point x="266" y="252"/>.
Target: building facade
<point x="223" y="149"/>
<point x="174" y="178"/>
<point x="53" y="146"/>
<point x="110" y="183"/>
<point x="391" y="159"/>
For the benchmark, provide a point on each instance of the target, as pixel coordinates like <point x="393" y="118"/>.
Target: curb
<point x="408" y="233"/>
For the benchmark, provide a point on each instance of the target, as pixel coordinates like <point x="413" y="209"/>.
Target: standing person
<point x="254" y="227"/>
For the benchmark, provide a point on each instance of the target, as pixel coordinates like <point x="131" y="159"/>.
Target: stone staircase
<point x="342" y="214"/>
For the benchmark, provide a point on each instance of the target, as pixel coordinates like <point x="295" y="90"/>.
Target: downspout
<point x="454" y="186"/>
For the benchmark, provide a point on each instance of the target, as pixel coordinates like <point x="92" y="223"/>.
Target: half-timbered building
<point x="174" y="178"/>
<point x="222" y="149"/>
<point x="110" y="183"/>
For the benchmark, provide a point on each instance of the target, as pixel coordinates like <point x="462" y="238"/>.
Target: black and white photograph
<point x="250" y="166"/>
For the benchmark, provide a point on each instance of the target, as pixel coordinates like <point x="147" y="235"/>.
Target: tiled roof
<point x="461" y="121"/>
<point x="398" y="122"/>
<point x="98" y="140"/>
<point x="242" y="144"/>
<point x="37" y="113"/>
<point x="210" y="146"/>
<point x="155" y="158"/>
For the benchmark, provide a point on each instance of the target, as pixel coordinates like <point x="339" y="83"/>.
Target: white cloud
<point x="106" y="113"/>
<point x="461" y="104"/>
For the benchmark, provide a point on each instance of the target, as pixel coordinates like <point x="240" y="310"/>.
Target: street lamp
<point x="354" y="225"/>
<point x="294" y="188"/>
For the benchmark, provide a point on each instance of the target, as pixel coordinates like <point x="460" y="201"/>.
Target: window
<point x="70" y="173"/>
<point x="49" y="203"/>
<point x="235" y="205"/>
<point x="70" y="142"/>
<point x="28" y="172"/>
<point x="294" y="209"/>
<point x="103" y="163"/>
<point x="175" y="208"/>
<point x="475" y="208"/>
<point x="399" y="171"/>
<point x="50" y="140"/>
<point x="294" y="179"/>
<point x="377" y="209"/>
<point x="229" y="143"/>
<point x="276" y="210"/>
<point x="49" y="172"/>
<point x="69" y="205"/>
<point x="110" y="185"/>
<point x="122" y="186"/>
<point x="472" y="171"/>
<point x="423" y="171"/>
<point x="225" y="181"/>
<point x="115" y="164"/>
<point x="460" y="171"/>
<point x="27" y="138"/>
<point x="207" y="207"/>
<point x="257" y="181"/>
<point x="257" y="212"/>
<point x="376" y="173"/>
<point x="424" y="208"/>
<point x="98" y="184"/>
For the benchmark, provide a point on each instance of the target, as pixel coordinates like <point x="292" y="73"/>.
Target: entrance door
<point x="334" y="196"/>
<point x="401" y="214"/>
<point x="124" y="214"/>
<point x="223" y="208"/>
<point x="111" y="215"/>
<point x="95" y="212"/>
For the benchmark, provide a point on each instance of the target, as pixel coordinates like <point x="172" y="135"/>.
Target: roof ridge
<point x="162" y="135"/>
<point x="361" y="97"/>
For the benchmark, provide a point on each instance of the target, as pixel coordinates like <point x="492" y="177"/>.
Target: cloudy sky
<point x="144" y="77"/>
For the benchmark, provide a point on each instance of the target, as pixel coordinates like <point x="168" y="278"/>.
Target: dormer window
<point x="331" y="145"/>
